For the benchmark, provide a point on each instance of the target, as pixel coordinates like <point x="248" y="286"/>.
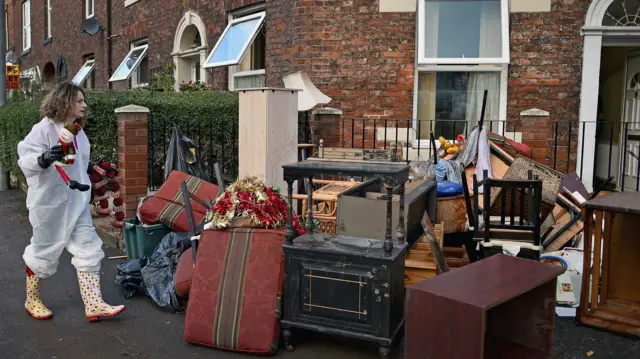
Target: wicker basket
<point x="325" y="204"/>
<point x="551" y="183"/>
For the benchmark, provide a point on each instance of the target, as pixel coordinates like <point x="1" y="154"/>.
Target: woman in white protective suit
<point x="60" y="216"/>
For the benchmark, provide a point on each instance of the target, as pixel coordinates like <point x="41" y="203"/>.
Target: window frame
<point x="135" y="72"/>
<point x="503" y="69"/>
<point x="90" y="61"/>
<point x="48" y="17"/>
<point x="504" y="27"/>
<point x="26" y="27"/>
<point x="234" y="70"/>
<point x="260" y="15"/>
<point x="89" y="4"/>
<point x="134" y="47"/>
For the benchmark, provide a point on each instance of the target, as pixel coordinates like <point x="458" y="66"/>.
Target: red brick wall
<point x="157" y="22"/>
<point x="360" y="57"/>
<point x="546" y="73"/>
<point x="67" y="40"/>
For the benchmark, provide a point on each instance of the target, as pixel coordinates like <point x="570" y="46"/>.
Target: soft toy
<point x="67" y="142"/>
<point x="448" y="147"/>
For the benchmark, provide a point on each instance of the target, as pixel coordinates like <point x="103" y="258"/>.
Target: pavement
<point x="146" y="331"/>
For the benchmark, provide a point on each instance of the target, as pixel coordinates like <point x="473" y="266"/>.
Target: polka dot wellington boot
<point x="34" y="305"/>
<point x="94" y="306"/>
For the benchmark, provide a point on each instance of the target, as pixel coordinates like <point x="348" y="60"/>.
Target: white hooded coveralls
<point x="60" y="216"/>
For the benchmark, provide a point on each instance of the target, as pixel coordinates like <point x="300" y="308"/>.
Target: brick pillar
<point x="133" y="138"/>
<point x="326" y="124"/>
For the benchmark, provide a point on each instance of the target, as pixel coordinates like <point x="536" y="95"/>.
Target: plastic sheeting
<point x="184" y="155"/>
<point x="155" y="276"/>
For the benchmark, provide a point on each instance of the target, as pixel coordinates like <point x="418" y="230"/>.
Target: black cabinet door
<point x="339" y="295"/>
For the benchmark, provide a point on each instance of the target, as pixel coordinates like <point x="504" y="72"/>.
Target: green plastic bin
<point x="141" y="240"/>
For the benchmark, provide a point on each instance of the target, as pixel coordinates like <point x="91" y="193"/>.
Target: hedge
<point x="197" y="114"/>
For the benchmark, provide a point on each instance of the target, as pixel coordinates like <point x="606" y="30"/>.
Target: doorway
<point x="630" y="132"/>
<point x="618" y="118"/>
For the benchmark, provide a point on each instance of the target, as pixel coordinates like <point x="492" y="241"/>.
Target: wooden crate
<point x="610" y="296"/>
<point x="420" y="263"/>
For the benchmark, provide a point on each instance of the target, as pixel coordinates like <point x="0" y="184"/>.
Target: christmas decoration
<point x="67" y="142"/>
<point x="106" y="193"/>
<point x="249" y="198"/>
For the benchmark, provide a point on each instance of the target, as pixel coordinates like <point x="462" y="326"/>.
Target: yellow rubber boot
<point x="94" y="306"/>
<point x="34" y="305"/>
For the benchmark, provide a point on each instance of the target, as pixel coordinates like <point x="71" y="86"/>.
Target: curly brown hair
<point x="58" y="102"/>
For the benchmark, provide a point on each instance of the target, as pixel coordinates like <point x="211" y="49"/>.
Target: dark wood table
<point x="610" y="296"/>
<point x="499" y="307"/>
<point x="347" y="286"/>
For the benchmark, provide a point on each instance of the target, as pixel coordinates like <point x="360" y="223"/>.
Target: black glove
<point x="53" y="154"/>
<point x="90" y="168"/>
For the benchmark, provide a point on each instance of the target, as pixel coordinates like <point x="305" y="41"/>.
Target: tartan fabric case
<point x="236" y="292"/>
<point x="167" y="205"/>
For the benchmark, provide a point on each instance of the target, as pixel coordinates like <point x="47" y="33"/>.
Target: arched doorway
<point x="189" y="49"/>
<point x="49" y="76"/>
<point x="611" y="36"/>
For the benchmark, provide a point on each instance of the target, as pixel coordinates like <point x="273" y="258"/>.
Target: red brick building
<point x="423" y="61"/>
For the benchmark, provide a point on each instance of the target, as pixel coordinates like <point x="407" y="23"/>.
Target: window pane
<point x="143" y="72"/>
<point x="128" y="64"/>
<point x="463" y="29"/>
<point x="450" y="103"/>
<point x="82" y="74"/>
<point x="234" y="41"/>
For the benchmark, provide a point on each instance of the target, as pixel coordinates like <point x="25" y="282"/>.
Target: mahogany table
<point x="501" y="307"/>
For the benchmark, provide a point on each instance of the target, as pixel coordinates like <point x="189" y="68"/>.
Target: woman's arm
<point x="30" y="149"/>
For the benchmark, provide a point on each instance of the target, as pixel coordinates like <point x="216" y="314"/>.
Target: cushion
<point x="184" y="274"/>
<point x="236" y="292"/>
<point x="167" y="205"/>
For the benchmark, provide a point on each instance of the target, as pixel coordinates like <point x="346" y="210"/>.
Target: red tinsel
<point x="249" y="198"/>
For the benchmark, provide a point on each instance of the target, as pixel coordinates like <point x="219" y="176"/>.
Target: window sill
<point x="129" y="2"/>
<point x="26" y="52"/>
<point x="47" y="41"/>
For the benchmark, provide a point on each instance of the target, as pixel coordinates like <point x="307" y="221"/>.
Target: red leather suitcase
<point x="236" y="291"/>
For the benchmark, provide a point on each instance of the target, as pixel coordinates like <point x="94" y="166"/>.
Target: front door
<point x="630" y="131"/>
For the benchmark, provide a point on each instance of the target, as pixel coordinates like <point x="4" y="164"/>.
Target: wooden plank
<point x="595" y="271"/>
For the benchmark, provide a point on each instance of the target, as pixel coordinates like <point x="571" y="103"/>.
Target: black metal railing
<point x="553" y="143"/>
<point x="216" y="139"/>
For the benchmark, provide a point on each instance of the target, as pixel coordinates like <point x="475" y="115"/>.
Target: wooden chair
<point x="522" y="198"/>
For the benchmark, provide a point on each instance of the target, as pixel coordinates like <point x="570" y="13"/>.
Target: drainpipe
<point x="4" y="173"/>
<point x="109" y="46"/>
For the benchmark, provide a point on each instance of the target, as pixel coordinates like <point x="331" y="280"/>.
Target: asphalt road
<point x="145" y="331"/>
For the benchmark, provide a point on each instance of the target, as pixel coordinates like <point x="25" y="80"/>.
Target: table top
<point x="345" y="245"/>
<point x="621" y="202"/>
<point x="490" y="282"/>
<point x="393" y="170"/>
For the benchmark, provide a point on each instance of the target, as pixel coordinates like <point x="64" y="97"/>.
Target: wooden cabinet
<point x="610" y="296"/>
<point x="345" y="285"/>
<point x="501" y="307"/>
